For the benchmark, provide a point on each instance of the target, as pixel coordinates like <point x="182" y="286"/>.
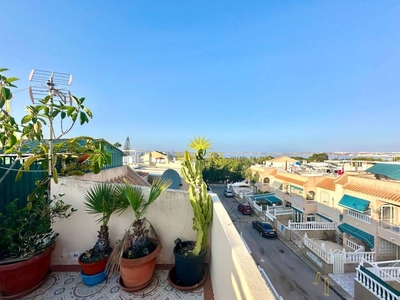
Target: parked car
<point x="228" y="193"/>
<point x="245" y="208"/>
<point x="264" y="228"/>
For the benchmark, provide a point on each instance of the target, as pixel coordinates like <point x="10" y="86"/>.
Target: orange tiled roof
<point x="342" y="179"/>
<point x="289" y="179"/>
<point x="380" y="193"/>
<point x="327" y="183"/>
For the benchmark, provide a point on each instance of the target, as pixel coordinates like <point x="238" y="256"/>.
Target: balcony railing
<point x="279" y="210"/>
<point x="314" y="247"/>
<point x="372" y="282"/>
<point x="389" y="226"/>
<point x="359" y="216"/>
<point x="352" y="245"/>
<point x="327" y="255"/>
<point x="312" y="226"/>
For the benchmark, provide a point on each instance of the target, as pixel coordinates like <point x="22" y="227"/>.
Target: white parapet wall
<point x="171" y="215"/>
<point x="234" y="273"/>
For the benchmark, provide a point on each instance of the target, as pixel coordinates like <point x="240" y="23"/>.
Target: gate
<point x="338" y="263"/>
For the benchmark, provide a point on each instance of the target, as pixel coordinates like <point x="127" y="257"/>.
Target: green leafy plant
<point x="20" y="228"/>
<point x="200" y="200"/>
<point x="27" y="232"/>
<point x="137" y="240"/>
<point x="100" y="200"/>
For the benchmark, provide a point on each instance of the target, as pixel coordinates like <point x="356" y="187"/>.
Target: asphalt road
<point x="290" y="276"/>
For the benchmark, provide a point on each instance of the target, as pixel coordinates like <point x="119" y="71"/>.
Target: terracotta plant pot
<point x="137" y="273"/>
<point x="93" y="268"/>
<point x="24" y="276"/>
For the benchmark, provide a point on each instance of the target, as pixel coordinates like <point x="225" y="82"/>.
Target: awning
<point x="357" y="233"/>
<point x="276" y="184"/>
<point x="354" y="203"/>
<point x="296" y="209"/>
<point x="296" y="188"/>
<point x="273" y="200"/>
<point x="324" y="217"/>
<point x="269" y="197"/>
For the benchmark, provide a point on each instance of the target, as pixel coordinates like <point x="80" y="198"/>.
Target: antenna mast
<point x="49" y="81"/>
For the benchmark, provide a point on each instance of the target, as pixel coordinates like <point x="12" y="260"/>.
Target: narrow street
<point x="291" y="277"/>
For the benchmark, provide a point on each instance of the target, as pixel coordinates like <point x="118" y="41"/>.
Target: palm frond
<point x="100" y="200"/>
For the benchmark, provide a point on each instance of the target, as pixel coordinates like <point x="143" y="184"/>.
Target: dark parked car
<point x="245" y="208"/>
<point x="264" y="228"/>
<point x="228" y="193"/>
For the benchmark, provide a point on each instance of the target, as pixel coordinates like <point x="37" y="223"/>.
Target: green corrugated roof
<point x="357" y="233"/>
<point x="354" y="203"/>
<point x="390" y="170"/>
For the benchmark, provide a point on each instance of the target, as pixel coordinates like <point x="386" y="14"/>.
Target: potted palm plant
<point x="99" y="200"/>
<point x="135" y="254"/>
<point x="189" y="255"/>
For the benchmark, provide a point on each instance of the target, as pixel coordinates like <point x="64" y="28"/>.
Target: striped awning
<point x="357" y="233"/>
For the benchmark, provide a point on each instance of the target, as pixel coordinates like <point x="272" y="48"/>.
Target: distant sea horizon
<point x="387" y="156"/>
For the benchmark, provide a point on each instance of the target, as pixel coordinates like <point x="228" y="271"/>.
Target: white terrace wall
<point x="234" y="273"/>
<point x="171" y="216"/>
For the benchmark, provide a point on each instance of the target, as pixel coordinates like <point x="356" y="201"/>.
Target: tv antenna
<point x="47" y="87"/>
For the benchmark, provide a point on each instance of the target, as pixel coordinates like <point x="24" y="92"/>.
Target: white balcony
<point x="311" y="225"/>
<point x="393" y="228"/>
<point x="379" y="278"/>
<point x="233" y="271"/>
<point x="366" y="218"/>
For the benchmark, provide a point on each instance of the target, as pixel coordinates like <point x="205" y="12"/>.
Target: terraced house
<point x="359" y="211"/>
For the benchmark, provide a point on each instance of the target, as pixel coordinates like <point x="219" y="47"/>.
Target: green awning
<point x="269" y="197"/>
<point x="391" y="170"/>
<point x="296" y="188"/>
<point x="354" y="203"/>
<point x="273" y="200"/>
<point x="357" y="233"/>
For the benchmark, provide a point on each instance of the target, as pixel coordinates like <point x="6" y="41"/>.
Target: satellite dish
<point x="174" y="177"/>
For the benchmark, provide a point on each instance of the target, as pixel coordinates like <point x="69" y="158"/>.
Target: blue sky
<point x="268" y="76"/>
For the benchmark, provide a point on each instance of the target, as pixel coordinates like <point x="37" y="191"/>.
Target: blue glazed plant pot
<point x="91" y="280"/>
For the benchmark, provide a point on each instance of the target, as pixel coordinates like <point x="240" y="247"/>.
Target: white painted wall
<point x="171" y="216"/>
<point x="234" y="273"/>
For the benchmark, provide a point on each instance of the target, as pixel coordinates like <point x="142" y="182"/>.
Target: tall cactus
<point x="192" y="171"/>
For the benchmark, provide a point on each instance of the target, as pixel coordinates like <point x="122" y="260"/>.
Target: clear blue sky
<point x="268" y="76"/>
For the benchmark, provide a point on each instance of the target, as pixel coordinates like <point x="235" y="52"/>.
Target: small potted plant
<point x="135" y="254"/>
<point x="190" y="255"/>
<point x="99" y="200"/>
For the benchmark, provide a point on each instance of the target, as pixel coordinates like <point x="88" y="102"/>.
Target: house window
<point x="324" y="197"/>
<point x="311" y="195"/>
<point x="310" y="218"/>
